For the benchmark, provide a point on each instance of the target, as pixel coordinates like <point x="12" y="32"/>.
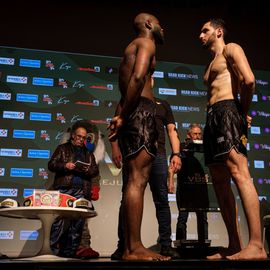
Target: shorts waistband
<point x="221" y="104"/>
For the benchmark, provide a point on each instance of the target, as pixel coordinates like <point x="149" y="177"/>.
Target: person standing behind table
<point x="159" y="185"/>
<point x="94" y="143"/>
<point x="191" y="169"/>
<point x="72" y="180"/>
<point x="134" y="125"/>
<point x="225" y="137"/>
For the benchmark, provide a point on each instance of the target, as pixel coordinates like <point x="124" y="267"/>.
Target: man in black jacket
<point x="73" y="180"/>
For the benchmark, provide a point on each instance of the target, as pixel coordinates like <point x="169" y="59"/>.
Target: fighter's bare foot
<point x="144" y="254"/>
<point x="251" y="252"/>
<point x="222" y="253"/>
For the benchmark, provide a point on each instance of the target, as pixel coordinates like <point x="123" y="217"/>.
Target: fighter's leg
<point x="221" y="182"/>
<point x="238" y="167"/>
<point x="139" y="167"/>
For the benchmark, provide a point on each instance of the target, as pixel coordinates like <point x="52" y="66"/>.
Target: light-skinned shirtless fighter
<point x="134" y="127"/>
<point x="231" y="85"/>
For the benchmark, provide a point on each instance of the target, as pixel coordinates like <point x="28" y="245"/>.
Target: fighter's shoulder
<point x="231" y="48"/>
<point x="144" y="42"/>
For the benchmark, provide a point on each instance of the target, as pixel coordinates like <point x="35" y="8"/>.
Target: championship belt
<point x="8" y="203"/>
<point x="83" y="203"/>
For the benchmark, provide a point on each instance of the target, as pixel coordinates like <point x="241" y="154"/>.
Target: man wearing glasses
<point x="74" y="167"/>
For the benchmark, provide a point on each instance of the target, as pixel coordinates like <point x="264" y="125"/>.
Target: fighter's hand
<point x="117" y="160"/>
<point x="171" y="187"/>
<point x="249" y="120"/>
<point x="114" y="127"/>
<point x="176" y="164"/>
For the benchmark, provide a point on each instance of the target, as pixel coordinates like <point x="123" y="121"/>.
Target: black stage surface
<point x="192" y="255"/>
<point x="107" y="264"/>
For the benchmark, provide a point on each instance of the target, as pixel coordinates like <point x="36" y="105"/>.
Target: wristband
<point x="175" y="154"/>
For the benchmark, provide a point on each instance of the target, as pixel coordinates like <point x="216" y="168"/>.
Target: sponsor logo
<point x="29" y="235"/>
<point x="3" y="132"/>
<point x="255" y="98"/>
<point x="21" y="172"/>
<point x="10" y="152"/>
<point x="24" y="134"/>
<point x="60" y="117"/>
<point x="89" y="69"/>
<point x="95" y="103"/>
<point x="6" y="235"/>
<point x="78" y="84"/>
<point x="193" y="93"/>
<point x="167" y="91"/>
<point x="48" y="99"/>
<point x="158" y="74"/>
<point x="28" y="192"/>
<point x="42" y="81"/>
<point x="185" y="108"/>
<point x="111" y="70"/>
<point x="8" y="192"/>
<point x="26" y="98"/>
<point x="63" y="100"/>
<point x="262" y="181"/>
<point x="65" y="66"/>
<point x="36" y="116"/>
<point x="34" y="153"/>
<point x="2" y="171"/>
<point x="62" y="82"/>
<point x="103" y="87"/>
<point x="7" y="61"/>
<point x="17" y="79"/>
<point x="49" y="64"/>
<point x="44" y="135"/>
<point x="255" y="130"/>
<point x="5" y="96"/>
<point x="261" y="82"/>
<point x="43" y="173"/>
<point x="13" y="115"/>
<point x="182" y="76"/>
<point x="30" y="63"/>
<point x="259" y="164"/>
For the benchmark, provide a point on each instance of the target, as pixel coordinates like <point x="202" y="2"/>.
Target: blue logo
<point x="42" y="81"/>
<point x="33" y="153"/>
<point x="24" y="134"/>
<point x="27" y="98"/>
<point x="35" y="116"/>
<point x="30" y="63"/>
<point x="21" y="172"/>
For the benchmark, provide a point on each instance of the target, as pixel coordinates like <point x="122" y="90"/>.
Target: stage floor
<point x="105" y="263"/>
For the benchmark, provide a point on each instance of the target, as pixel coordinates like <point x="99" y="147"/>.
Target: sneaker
<point x="170" y="252"/>
<point x="86" y="253"/>
<point x="117" y="255"/>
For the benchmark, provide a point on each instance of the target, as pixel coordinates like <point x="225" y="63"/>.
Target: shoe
<point x="86" y="253"/>
<point x="170" y="252"/>
<point x="117" y="255"/>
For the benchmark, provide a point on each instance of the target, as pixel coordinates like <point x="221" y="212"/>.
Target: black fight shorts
<point x="225" y="129"/>
<point x="139" y="130"/>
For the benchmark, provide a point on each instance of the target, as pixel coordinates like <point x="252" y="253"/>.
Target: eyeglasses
<point x="80" y="137"/>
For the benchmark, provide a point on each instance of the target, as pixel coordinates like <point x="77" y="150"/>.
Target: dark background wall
<point x="105" y="27"/>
